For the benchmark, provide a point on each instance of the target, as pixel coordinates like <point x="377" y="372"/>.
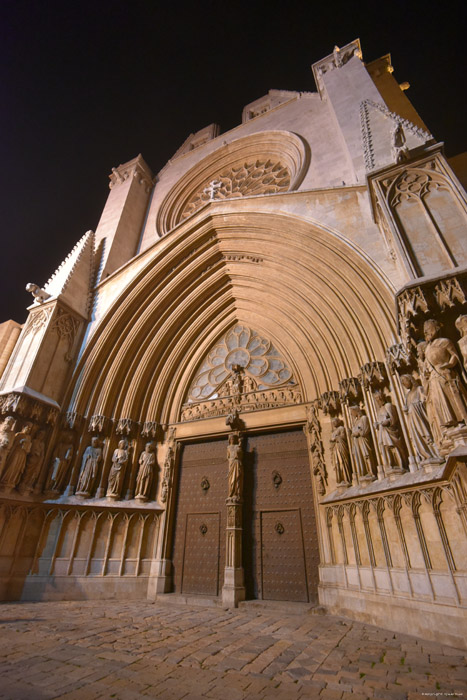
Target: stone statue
<point x="147" y="461"/>
<point x="117" y="471"/>
<point x="340" y="455"/>
<point x="7" y="436"/>
<point x="362" y="448"/>
<point x="390" y="439"/>
<point x="461" y="325"/>
<point x="34" y="460"/>
<point x="417" y="419"/>
<point x="16" y="462"/>
<point x="235" y="456"/>
<point x="446" y="395"/>
<point x="89" y="467"/>
<point x="61" y="462"/>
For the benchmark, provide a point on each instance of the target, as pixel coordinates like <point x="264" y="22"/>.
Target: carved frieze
<point x="253" y="401"/>
<point x="66" y="325"/>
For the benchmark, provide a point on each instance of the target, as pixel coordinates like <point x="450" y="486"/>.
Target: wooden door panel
<point x="201" y="554"/>
<point x="282" y="556"/>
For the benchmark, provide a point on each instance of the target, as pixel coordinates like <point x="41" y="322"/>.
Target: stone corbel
<point x="72" y="420"/>
<point x="399" y="359"/>
<point x="374" y="375"/>
<point x="350" y="390"/>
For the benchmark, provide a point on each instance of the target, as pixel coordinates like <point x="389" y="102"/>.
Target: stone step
<point x="189" y="599"/>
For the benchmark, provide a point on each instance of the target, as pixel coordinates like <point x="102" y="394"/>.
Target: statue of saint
<point x="147" y="461"/>
<point x="117" y="471"/>
<point x="235" y="456"/>
<point x="362" y="448"/>
<point x="417" y="419"/>
<point x="16" y="462"/>
<point x="446" y="395"/>
<point x="34" y="460"/>
<point x="89" y="467"/>
<point x="340" y="455"/>
<point x="61" y="462"/>
<point x="461" y="325"/>
<point x="7" y="436"/>
<point x="390" y="440"/>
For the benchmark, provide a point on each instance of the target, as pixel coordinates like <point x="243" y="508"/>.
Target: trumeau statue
<point x="16" y="461"/>
<point x="117" y="471"/>
<point x="362" y="448"/>
<point x="340" y="455"/>
<point x="89" y="467"/>
<point x="417" y="419"/>
<point x="7" y="436"/>
<point x="446" y="395"/>
<point x="61" y="461"/>
<point x="390" y="439"/>
<point x="34" y="460"/>
<point x="147" y="461"/>
<point x="461" y="325"/>
<point x="235" y="457"/>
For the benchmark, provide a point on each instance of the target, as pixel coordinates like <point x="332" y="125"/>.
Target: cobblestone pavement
<point x="88" y="650"/>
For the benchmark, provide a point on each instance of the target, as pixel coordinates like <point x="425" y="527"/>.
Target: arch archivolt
<point x="320" y="302"/>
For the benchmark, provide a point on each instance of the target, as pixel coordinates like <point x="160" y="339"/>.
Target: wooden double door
<point x="280" y="545"/>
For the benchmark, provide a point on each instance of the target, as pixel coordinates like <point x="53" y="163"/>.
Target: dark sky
<point x="87" y="86"/>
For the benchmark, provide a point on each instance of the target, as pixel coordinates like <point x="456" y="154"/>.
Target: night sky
<point x="87" y="86"/>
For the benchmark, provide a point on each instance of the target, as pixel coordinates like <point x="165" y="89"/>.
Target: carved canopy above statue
<point x="264" y="163"/>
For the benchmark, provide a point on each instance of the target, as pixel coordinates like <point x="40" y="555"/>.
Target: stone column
<point x="233" y="590"/>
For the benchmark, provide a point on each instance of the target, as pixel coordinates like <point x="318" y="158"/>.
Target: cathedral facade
<point x="250" y="380"/>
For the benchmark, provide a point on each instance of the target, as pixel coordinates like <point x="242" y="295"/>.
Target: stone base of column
<point x="160" y="578"/>
<point x="233" y="591"/>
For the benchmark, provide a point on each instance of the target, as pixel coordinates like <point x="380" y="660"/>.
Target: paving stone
<point x="61" y="651"/>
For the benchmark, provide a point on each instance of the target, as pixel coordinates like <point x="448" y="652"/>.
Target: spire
<point x="73" y="279"/>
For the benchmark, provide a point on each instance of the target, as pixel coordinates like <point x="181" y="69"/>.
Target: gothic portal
<point x="250" y="381"/>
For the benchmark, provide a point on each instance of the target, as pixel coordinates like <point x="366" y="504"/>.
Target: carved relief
<point x="7" y="436"/>
<point x="362" y="446"/>
<point x="117" y="471"/>
<point x="126" y="426"/>
<point x="417" y="420"/>
<point x="37" y="320"/>
<point x="92" y="458"/>
<point x="461" y="325"/>
<point x="389" y="435"/>
<point x="16" y="460"/>
<point x="34" y="460"/>
<point x="61" y="460"/>
<point x="98" y="424"/>
<point x="262" y="176"/>
<point x="169" y="465"/>
<point x="145" y="478"/>
<point x="66" y="326"/>
<point x="313" y="427"/>
<point x="340" y="455"/>
<point x="446" y="395"/>
<point x="149" y="429"/>
<point x="330" y="403"/>
<point x="235" y="459"/>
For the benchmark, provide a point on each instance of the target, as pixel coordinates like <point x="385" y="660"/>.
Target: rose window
<point x="245" y="348"/>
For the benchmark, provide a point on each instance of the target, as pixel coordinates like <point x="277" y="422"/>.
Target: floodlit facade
<point x="250" y="381"/>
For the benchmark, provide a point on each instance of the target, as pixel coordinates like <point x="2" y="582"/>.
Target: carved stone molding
<point x="72" y="420"/>
<point x="399" y="358"/>
<point x="126" y="426"/>
<point x="99" y="424"/>
<point x="350" y="390"/>
<point x="149" y="429"/>
<point x="373" y="375"/>
<point x="27" y="407"/>
<point x="330" y="403"/>
<point x="448" y="292"/>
